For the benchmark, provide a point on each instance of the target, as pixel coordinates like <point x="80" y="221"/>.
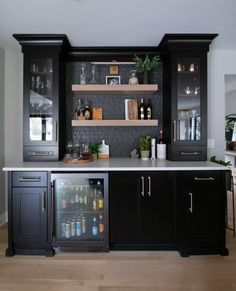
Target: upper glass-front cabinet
<point x="41" y="100"/>
<point x="188" y="125"/>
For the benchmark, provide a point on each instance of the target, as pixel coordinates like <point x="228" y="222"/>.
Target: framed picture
<point x="113" y="80"/>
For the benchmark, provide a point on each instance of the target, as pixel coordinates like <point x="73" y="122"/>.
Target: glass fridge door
<point x="80" y="203"/>
<point x="41" y="99"/>
<point x="188" y="127"/>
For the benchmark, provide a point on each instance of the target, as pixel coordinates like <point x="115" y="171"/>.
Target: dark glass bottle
<point x="87" y="111"/>
<point x="161" y="140"/>
<point x="149" y="109"/>
<point x="141" y="110"/>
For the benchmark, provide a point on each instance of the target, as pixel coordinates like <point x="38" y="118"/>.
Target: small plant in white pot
<point x="144" y="147"/>
<point x="94" y="148"/>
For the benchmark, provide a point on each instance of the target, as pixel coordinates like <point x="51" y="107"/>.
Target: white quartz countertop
<point x="114" y="164"/>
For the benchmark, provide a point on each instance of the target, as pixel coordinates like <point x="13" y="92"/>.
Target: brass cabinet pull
<point x="191" y="202"/>
<point x="142" y="190"/>
<point x="29" y="179"/>
<point x="43" y="201"/>
<point x="204" y="179"/>
<point x="149" y="186"/>
<point x="174" y="130"/>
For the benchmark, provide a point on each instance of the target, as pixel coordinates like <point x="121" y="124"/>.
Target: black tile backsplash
<point x="120" y="139"/>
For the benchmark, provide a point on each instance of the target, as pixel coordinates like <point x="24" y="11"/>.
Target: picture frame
<point x="112" y="80"/>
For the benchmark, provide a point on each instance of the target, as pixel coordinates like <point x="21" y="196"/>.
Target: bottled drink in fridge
<point x="94" y="227"/>
<point x="101" y="224"/>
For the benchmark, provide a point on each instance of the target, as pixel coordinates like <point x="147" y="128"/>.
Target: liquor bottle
<point x="141" y="110"/>
<point x="94" y="227"/>
<point x="101" y="224"/>
<point x="149" y="110"/>
<point x="87" y="111"/>
<point x="63" y="201"/>
<point x="79" y="110"/>
<point x="161" y="141"/>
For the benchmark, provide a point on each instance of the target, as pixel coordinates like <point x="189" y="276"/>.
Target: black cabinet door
<point x="159" y="213"/>
<point x="203" y="206"/>
<point x="125" y="207"/>
<point x="142" y="207"/>
<point x="29" y="217"/>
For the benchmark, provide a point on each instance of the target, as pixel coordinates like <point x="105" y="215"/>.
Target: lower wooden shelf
<point x="117" y="122"/>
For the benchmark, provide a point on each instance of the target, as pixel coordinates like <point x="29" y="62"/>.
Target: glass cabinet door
<point x="80" y="203"/>
<point x="188" y="125"/>
<point x="41" y="101"/>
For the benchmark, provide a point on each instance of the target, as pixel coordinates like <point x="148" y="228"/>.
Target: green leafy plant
<point x="95" y="149"/>
<point x="144" y="143"/>
<point x="147" y="64"/>
<point x="214" y="160"/>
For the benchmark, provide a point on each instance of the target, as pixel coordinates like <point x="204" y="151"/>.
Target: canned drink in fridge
<point x="63" y="229"/>
<point x="83" y="225"/>
<point x="72" y="227"/>
<point x="67" y="234"/>
<point x="78" y="227"/>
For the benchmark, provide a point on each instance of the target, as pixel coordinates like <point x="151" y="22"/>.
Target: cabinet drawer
<point x="29" y="179"/>
<point x="188" y="153"/>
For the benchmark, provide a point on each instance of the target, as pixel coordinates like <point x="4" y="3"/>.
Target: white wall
<point x="220" y="62"/>
<point x="13" y="106"/>
<point x="2" y="180"/>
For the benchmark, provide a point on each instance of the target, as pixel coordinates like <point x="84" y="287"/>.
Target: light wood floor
<point x="118" y="271"/>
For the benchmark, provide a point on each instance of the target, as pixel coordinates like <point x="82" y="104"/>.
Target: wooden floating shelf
<point x="128" y="89"/>
<point x="117" y="122"/>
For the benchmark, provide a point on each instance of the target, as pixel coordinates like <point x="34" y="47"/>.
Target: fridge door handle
<point x="174" y="130"/>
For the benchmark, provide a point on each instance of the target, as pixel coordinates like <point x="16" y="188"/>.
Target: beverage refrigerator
<point x="80" y="211"/>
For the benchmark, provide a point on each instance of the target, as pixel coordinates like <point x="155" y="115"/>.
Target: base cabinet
<point x="201" y="213"/>
<point x="28" y="214"/>
<point x="142" y="209"/>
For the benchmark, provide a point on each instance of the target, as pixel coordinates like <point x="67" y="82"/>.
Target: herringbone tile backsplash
<point x="122" y="140"/>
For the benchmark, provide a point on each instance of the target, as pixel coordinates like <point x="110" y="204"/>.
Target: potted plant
<point x="144" y="147"/>
<point x="94" y="149"/>
<point x="146" y="65"/>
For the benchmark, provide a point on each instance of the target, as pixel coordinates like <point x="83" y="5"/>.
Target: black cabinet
<point x="142" y="209"/>
<point x="201" y="212"/>
<point x="185" y="95"/>
<point x="44" y="96"/>
<point x="28" y="214"/>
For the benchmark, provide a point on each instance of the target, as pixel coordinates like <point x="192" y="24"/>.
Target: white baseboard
<point x="3" y="218"/>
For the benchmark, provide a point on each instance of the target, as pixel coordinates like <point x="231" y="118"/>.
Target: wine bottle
<point x="87" y="111"/>
<point x="149" y="110"/>
<point x="141" y="110"/>
<point x="161" y="141"/>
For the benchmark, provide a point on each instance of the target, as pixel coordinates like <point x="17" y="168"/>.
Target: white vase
<point x="145" y="155"/>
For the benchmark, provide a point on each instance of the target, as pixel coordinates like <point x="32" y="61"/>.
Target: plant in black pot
<point x="144" y="144"/>
<point x="146" y="65"/>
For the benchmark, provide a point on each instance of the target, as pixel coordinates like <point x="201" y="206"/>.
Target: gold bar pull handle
<point x="142" y="186"/>
<point x="204" y="179"/>
<point x="149" y="186"/>
<point x="43" y="201"/>
<point x="174" y="130"/>
<point x="191" y="202"/>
